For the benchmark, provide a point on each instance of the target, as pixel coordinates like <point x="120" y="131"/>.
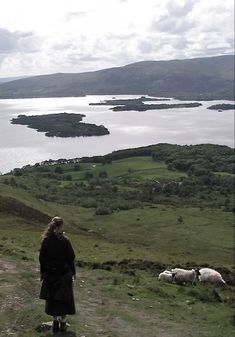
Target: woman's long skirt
<point x="57" y="290"/>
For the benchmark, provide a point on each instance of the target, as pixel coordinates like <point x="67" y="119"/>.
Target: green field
<point x="135" y="167"/>
<point x="120" y="253"/>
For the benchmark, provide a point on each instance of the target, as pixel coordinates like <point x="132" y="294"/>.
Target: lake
<point x="20" y="145"/>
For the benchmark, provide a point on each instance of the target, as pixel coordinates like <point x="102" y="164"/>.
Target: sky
<point x="48" y="36"/>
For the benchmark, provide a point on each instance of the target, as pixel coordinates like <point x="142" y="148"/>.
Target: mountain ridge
<point x="199" y="78"/>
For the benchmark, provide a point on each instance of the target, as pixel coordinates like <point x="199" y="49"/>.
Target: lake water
<point x="20" y="145"/>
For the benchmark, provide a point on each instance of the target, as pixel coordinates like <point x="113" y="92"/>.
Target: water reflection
<point x="20" y="145"/>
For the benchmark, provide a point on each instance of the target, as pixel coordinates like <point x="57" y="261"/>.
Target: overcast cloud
<point x="47" y="36"/>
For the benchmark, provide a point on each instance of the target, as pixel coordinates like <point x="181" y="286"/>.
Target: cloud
<point x="173" y="25"/>
<point x="12" y="42"/>
<point x="177" y="18"/>
<point x="179" y="8"/>
<point x="75" y="15"/>
<point x="146" y="47"/>
<point x="75" y="58"/>
<point x="91" y="35"/>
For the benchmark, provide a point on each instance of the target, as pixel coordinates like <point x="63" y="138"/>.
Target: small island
<point x="137" y="104"/>
<point x="61" y="125"/>
<point x="130" y="101"/>
<point x="222" y="107"/>
<point x="145" y="107"/>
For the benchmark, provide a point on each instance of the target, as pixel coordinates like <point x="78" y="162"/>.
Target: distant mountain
<point x="199" y="78"/>
<point x="10" y="79"/>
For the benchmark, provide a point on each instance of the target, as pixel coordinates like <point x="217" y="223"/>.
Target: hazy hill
<point x="10" y="79"/>
<point x="200" y="78"/>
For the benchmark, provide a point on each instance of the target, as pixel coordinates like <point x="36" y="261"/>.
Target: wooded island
<point x="61" y="125"/>
<point x="222" y="107"/>
<point x="137" y="104"/>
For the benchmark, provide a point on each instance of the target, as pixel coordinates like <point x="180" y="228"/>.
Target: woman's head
<point x="55" y="226"/>
<point x="57" y="222"/>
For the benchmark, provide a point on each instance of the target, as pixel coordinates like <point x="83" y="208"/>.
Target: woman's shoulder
<point x="55" y="237"/>
<point x="64" y="237"/>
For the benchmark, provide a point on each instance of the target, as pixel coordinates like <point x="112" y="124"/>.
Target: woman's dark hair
<point x="53" y="227"/>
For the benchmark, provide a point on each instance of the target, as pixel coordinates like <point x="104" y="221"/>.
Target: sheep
<point x="211" y="276"/>
<point x="184" y="276"/>
<point x="166" y="276"/>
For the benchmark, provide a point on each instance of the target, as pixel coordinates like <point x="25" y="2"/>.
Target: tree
<point x="59" y="170"/>
<point x="180" y="219"/>
<point x="77" y="167"/>
<point x="102" y="210"/>
<point x="88" y="175"/>
<point x="103" y="174"/>
<point x="17" y="172"/>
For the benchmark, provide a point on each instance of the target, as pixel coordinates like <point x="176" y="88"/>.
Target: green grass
<point x="149" y="233"/>
<point x="204" y="236"/>
<point x="135" y="167"/>
<point x="114" y="303"/>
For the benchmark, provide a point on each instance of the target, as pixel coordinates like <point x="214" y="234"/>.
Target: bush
<point x="68" y="177"/>
<point x="103" y="174"/>
<point x="89" y="203"/>
<point x="77" y="167"/>
<point x="102" y="211"/>
<point x="88" y="175"/>
<point x="17" y="172"/>
<point x="59" y="170"/>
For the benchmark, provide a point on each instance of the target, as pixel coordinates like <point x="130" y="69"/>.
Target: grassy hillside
<point x="199" y="78"/>
<point x="126" y="226"/>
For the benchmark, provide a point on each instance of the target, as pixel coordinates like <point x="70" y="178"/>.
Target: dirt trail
<point x="7" y="266"/>
<point x="113" y="318"/>
<point x="97" y="313"/>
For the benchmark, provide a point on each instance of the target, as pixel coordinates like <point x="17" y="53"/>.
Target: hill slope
<point x="169" y="205"/>
<point x="200" y="78"/>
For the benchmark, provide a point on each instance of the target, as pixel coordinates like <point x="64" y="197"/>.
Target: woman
<point x="57" y="270"/>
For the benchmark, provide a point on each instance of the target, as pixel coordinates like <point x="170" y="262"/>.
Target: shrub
<point x="77" y="167"/>
<point x="88" y="175"/>
<point x="68" y="177"/>
<point x="102" y="210"/>
<point x="17" y="172"/>
<point x="89" y="203"/>
<point x="103" y="174"/>
<point x="59" y="170"/>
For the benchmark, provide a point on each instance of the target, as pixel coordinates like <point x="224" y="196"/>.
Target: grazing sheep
<point x="175" y="270"/>
<point x="184" y="276"/>
<point x="166" y="276"/>
<point x="211" y="276"/>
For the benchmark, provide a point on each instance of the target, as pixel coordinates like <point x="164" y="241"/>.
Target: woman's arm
<point x="71" y="258"/>
<point x="42" y="258"/>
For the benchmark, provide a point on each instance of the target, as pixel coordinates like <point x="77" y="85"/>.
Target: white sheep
<point x="166" y="276"/>
<point x="175" y="270"/>
<point x="211" y="276"/>
<point x="184" y="276"/>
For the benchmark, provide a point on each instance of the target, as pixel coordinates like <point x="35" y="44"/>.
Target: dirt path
<point x="99" y="312"/>
<point x="104" y="307"/>
<point x="110" y="317"/>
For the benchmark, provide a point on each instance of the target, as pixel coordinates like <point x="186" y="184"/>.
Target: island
<point x="145" y="107"/>
<point x="137" y="104"/>
<point x="222" y="107"/>
<point x="61" y="125"/>
<point x="129" y="101"/>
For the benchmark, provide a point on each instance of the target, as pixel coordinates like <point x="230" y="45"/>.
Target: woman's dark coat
<point x="57" y="270"/>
